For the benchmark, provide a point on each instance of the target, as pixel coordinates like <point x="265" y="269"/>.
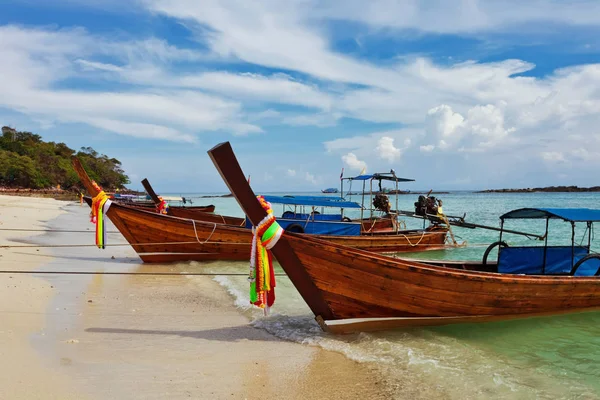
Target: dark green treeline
<point x="26" y="161"/>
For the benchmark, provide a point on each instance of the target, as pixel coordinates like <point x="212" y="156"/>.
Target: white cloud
<point x="311" y="178"/>
<point x="470" y="108"/>
<point x="35" y="60"/>
<point x="349" y="143"/>
<point x="386" y="149"/>
<point x="279" y="88"/>
<point x="462" y="16"/>
<point x="141" y="130"/>
<point x="291" y="172"/>
<point x="265" y="115"/>
<point x="488" y="122"/>
<point x="483" y="127"/>
<point x="270" y="34"/>
<point x="353" y="162"/>
<point x="320" y="120"/>
<point x="377" y="149"/>
<point x="443" y="122"/>
<point x="553" y="156"/>
<point x="97" y="66"/>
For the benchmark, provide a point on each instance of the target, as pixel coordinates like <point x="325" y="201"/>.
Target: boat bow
<point x="227" y="164"/>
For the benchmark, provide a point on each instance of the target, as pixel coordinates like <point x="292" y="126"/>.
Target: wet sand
<point x="126" y="337"/>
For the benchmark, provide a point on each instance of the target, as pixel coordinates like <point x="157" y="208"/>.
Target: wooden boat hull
<point x="175" y="211"/>
<point x="380" y="286"/>
<point x="193" y="240"/>
<point x="161" y="239"/>
<point x="375" y="225"/>
<point x="181" y="212"/>
<point x="413" y="293"/>
<point x="433" y="238"/>
<point x="341" y="284"/>
<point x="207" y="209"/>
<point x="205" y="216"/>
<point x="393" y="243"/>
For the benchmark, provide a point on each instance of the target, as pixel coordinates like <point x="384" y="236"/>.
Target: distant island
<point x="212" y="196"/>
<point x="550" y="189"/>
<point x="29" y="165"/>
<point x="395" y="192"/>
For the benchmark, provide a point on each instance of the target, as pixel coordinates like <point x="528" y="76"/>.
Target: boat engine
<point x="426" y="205"/>
<point x="382" y="203"/>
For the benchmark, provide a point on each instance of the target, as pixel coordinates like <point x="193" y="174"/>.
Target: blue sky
<point x="458" y="95"/>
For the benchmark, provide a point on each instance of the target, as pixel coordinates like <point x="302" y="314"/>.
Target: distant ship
<point x="329" y="190"/>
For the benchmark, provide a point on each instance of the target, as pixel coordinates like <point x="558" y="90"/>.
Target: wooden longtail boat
<point x="161" y="238"/>
<point x="177" y="211"/>
<point x="152" y="206"/>
<point x="200" y="213"/>
<point x="349" y="289"/>
<point x="396" y="241"/>
<point x="181" y="239"/>
<point x="370" y="226"/>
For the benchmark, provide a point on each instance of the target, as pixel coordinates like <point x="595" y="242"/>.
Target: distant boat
<point x="329" y="190"/>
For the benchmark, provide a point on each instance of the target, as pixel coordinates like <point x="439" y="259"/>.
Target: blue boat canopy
<point x="385" y="177"/>
<point x="314" y="201"/>
<point x="566" y="214"/>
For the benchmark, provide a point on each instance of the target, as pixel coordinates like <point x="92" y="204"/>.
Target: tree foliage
<point x="27" y="161"/>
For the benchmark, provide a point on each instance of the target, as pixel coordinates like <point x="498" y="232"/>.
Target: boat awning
<point x="566" y="214"/>
<point x="314" y="201"/>
<point x="384" y="177"/>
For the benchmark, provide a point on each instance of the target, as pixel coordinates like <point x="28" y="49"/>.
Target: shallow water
<point x="553" y="357"/>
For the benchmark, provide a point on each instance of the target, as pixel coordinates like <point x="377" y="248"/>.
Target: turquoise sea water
<point x="552" y="357"/>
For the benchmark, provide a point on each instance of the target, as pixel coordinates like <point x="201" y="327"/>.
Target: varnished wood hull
<point x="217" y="241"/>
<point x="179" y="241"/>
<point x="377" y="224"/>
<point x="358" y="284"/>
<point x="205" y="216"/>
<point x="175" y="211"/>
<point x="181" y="212"/>
<point x="205" y="209"/>
<point x="161" y="239"/>
<point x="411" y="241"/>
<point x="341" y="284"/>
<point x="406" y="241"/>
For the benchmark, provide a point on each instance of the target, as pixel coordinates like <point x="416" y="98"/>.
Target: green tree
<point x="27" y="161"/>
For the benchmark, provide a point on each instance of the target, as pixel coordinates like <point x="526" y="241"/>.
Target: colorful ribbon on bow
<point x="162" y="207"/>
<point x="100" y="205"/>
<point x="262" y="275"/>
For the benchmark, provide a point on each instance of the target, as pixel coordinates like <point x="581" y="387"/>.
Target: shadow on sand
<point x="228" y="334"/>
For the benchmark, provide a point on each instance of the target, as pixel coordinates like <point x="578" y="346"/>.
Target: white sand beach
<point x="130" y="337"/>
<point x="23" y="305"/>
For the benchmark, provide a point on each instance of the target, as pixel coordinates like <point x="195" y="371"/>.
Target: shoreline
<point x="157" y="337"/>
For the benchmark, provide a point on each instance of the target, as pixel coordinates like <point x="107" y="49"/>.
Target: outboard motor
<point x="382" y="203"/>
<point x="426" y="205"/>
